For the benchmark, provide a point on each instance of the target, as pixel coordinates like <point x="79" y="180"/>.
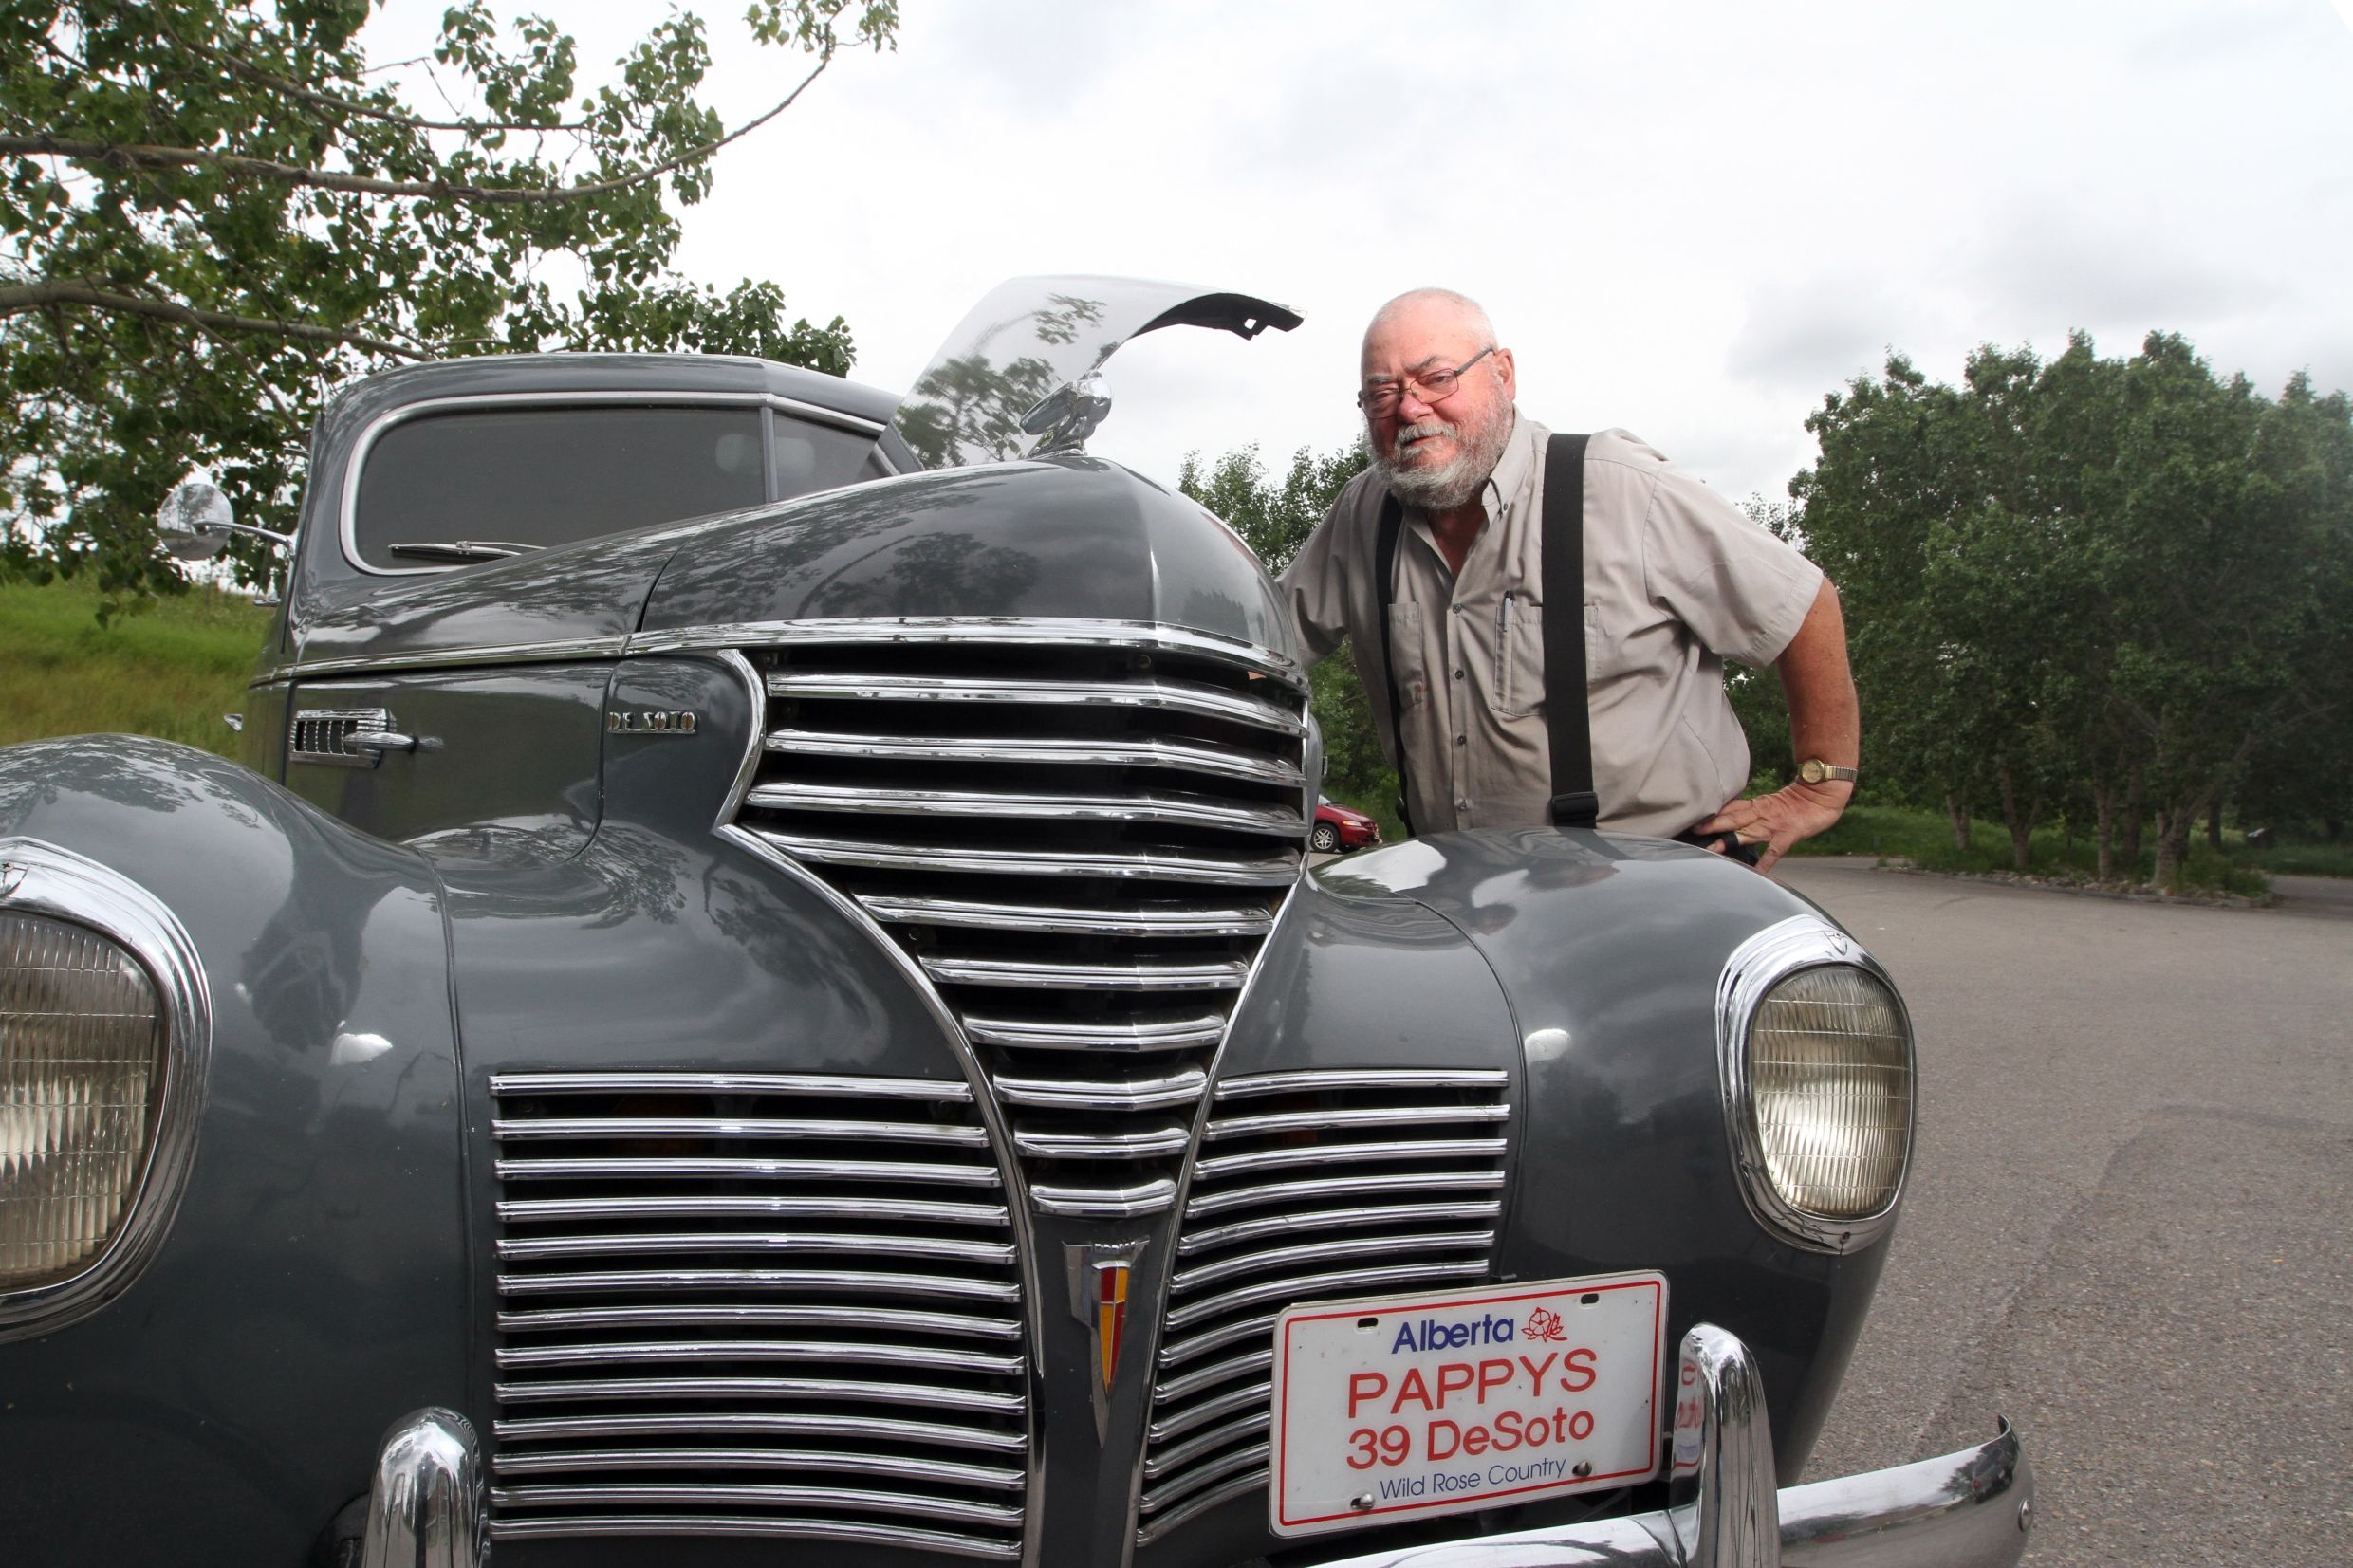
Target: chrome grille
<point x="770" y="1305"/>
<point x="1079" y="831"/>
<point x="324" y="735"/>
<point x="1309" y="1186"/>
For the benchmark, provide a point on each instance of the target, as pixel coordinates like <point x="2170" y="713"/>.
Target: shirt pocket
<point x="1519" y="660"/>
<point x="1407" y="667"/>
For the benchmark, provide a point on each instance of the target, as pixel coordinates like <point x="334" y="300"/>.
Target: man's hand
<point x="1773" y="822"/>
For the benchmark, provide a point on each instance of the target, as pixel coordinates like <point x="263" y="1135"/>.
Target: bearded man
<point x="1452" y="648"/>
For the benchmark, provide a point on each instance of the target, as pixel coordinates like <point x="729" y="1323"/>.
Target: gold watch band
<point x="1814" y="770"/>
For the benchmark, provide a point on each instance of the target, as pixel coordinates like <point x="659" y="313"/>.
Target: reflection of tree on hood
<point x="967" y="405"/>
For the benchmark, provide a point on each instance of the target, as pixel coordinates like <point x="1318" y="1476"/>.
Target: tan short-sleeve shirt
<point x="1676" y="581"/>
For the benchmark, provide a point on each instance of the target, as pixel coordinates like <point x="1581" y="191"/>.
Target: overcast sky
<point x="1688" y="219"/>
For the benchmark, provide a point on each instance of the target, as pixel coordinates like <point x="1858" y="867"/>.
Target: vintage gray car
<point x="758" y="997"/>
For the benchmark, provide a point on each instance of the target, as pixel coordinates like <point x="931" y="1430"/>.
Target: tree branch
<point x="119" y="156"/>
<point x="17" y="299"/>
<point x="254" y="72"/>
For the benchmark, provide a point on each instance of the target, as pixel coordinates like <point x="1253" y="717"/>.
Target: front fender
<point x="1608" y="952"/>
<point x="310" y="1289"/>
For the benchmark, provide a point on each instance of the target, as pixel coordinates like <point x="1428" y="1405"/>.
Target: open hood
<point x="1016" y="379"/>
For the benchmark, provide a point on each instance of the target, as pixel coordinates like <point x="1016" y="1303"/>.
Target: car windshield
<point x="483" y="484"/>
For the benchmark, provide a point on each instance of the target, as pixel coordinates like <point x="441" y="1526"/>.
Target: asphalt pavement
<point x="2126" y="1226"/>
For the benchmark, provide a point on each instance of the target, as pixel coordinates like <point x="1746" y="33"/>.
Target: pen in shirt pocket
<point x="1503" y="617"/>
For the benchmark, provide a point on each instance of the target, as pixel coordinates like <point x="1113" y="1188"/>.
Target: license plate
<point x="1399" y="1406"/>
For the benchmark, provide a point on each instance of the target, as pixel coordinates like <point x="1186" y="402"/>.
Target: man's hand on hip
<point x="1775" y="821"/>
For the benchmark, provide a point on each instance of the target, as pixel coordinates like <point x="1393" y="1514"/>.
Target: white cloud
<point x="1690" y="219"/>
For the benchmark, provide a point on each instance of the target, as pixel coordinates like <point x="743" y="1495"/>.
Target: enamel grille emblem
<point x="1098" y="1281"/>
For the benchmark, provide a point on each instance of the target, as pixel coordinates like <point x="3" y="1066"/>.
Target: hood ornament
<point x="1099" y="1278"/>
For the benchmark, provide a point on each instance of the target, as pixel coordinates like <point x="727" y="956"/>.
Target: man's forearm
<point x="1824" y="721"/>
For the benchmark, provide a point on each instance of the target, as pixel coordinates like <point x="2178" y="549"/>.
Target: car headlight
<point x="105" y="1021"/>
<point x="1815" y="1049"/>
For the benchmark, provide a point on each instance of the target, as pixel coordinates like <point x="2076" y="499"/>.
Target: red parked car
<point x="1339" y="828"/>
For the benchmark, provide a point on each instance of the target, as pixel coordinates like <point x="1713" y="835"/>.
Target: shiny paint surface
<point x="311" y="1287"/>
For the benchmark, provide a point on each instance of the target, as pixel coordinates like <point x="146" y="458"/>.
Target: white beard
<point x="1449" y="485"/>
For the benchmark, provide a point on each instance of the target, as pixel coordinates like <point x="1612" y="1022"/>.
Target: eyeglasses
<point x="1435" y="386"/>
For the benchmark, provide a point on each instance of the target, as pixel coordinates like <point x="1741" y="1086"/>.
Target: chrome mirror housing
<point x="196" y="520"/>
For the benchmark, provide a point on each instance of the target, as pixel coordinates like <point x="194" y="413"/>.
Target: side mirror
<point x="193" y="520"/>
<point x="196" y="522"/>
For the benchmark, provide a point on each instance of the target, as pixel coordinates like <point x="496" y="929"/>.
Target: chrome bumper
<point x="1970" y="1509"/>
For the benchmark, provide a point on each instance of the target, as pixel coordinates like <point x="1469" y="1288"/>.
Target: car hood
<point x="1071" y="538"/>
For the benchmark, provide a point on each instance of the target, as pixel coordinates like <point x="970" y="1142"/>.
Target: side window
<point x="436" y="486"/>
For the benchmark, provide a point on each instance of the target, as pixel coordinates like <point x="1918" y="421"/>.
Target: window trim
<point x="771" y="403"/>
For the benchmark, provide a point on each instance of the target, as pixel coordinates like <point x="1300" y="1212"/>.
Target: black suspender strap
<point x="1384" y="580"/>
<point x="1568" y="721"/>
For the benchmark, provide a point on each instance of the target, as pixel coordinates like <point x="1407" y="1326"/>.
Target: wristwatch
<point x="1814" y="770"/>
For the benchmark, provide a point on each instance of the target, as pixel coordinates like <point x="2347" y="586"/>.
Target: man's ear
<point x="1508" y="373"/>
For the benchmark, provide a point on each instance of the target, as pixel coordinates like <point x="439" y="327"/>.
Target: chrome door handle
<point x="378" y="741"/>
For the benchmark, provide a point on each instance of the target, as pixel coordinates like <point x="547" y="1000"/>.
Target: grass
<point x="171" y="671"/>
<point x="1925" y="838"/>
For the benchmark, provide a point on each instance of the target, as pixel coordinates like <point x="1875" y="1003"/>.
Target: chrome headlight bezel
<point x="40" y="879"/>
<point x="1756" y="966"/>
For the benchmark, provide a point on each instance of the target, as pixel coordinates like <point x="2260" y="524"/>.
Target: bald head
<point x="1436" y="306"/>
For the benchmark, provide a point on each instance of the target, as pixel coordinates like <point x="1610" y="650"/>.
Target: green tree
<point x="1274" y="516"/>
<point x="215" y="211"/>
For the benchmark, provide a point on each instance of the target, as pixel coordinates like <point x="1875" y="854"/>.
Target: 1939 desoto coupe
<point x="757" y="998"/>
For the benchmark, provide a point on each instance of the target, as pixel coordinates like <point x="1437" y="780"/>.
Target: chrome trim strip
<point x="848" y="1390"/>
<point x="730" y="1314"/>
<point x="1342" y="1186"/>
<point x="1192" y="1347"/>
<point x="756" y="721"/>
<point x="756" y="1278"/>
<point x="1201" y="1414"/>
<point x="1306" y="1287"/>
<point x="1279" y="821"/>
<point x="1140" y="1094"/>
<point x="945" y="1472"/>
<point x="1240" y="1486"/>
<point x="1350" y="1116"/>
<point x="1373" y="1078"/>
<point x="46" y="880"/>
<point x="854" y="1532"/>
<point x="918" y="1210"/>
<point x="1232" y="871"/>
<point x="603" y="1245"/>
<point x="1335" y="1153"/>
<point x="1246" y="920"/>
<point x="347" y="519"/>
<point x="524" y="1129"/>
<point x="425" y="1503"/>
<point x="1178" y="1457"/>
<point x="729" y="1084"/>
<point x="1104" y="1203"/>
<point x="1335" y="1219"/>
<point x="611" y="647"/>
<point x="745" y="1169"/>
<point x="656" y="1351"/>
<point x="1020" y="973"/>
<point x="1758" y="965"/>
<point x="1050" y="1035"/>
<point x="1166" y="696"/>
<point x="1042" y="631"/>
<point x="992" y="1115"/>
<point x="1153" y="1143"/>
<point x="956" y="1510"/>
<point x="1191" y="1383"/>
<point x="1316" y="1252"/>
<point x="1158" y="1498"/>
<point x="1197" y="757"/>
<point x="863" y="1428"/>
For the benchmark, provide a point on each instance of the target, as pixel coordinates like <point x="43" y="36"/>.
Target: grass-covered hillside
<point x="172" y="670"/>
